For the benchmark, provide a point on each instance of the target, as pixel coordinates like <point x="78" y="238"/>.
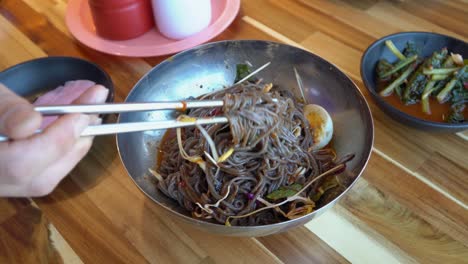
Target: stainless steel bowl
<point x="212" y="66"/>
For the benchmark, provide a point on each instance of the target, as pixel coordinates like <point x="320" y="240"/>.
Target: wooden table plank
<point x="301" y="246"/>
<point x="277" y="19"/>
<point x="450" y="176"/>
<point x="398" y="224"/>
<point x="406" y="20"/>
<point x="393" y="216"/>
<point x="10" y="207"/>
<point x="54" y="10"/>
<point x="27" y="236"/>
<point x="89" y="232"/>
<point x="353" y="18"/>
<point x="26" y="231"/>
<point x="338" y="227"/>
<point x="440" y="14"/>
<point x="11" y="38"/>
<point x="424" y="201"/>
<point x="382" y="216"/>
<point x="376" y="26"/>
<point x="340" y="30"/>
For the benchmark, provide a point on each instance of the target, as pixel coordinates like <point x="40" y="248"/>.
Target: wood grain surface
<point x="410" y="206"/>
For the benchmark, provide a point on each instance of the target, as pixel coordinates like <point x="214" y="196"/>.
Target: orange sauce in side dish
<point x="438" y="111"/>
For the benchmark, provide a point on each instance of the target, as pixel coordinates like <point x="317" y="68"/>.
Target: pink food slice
<point x="62" y="95"/>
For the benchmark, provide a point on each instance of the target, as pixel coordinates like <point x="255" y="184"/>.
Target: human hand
<point x="33" y="165"/>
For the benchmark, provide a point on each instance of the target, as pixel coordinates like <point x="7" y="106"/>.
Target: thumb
<point x="17" y="116"/>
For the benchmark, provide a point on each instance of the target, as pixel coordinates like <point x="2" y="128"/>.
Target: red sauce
<point x="169" y="135"/>
<point x="438" y="111"/>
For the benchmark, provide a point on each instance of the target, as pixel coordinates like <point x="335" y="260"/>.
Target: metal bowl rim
<point x="367" y="152"/>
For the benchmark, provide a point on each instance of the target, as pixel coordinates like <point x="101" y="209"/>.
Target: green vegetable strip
<point x="284" y="191"/>
<point x="428" y="89"/>
<point x="459" y="76"/>
<point x="394" y="50"/>
<point x="242" y="70"/>
<point x="400" y="65"/>
<point x="382" y="67"/>
<point x="442" y="96"/>
<point x="438" y="77"/>
<point x="448" y="62"/>
<point x="425" y="106"/>
<point x="440" y="71"/>
<point x="425" y="97"/>
<point x="397" y="82"/>
<point x="415" y="86"/>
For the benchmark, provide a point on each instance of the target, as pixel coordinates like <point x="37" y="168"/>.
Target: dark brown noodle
<point x="272" y="148"/>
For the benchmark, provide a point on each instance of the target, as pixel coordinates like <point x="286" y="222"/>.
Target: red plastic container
<point x="121" y="19"/>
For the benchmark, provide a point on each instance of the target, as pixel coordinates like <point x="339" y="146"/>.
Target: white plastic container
<point x="179" y="19"/>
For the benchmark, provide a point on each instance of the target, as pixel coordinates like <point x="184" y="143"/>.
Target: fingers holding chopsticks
<point x="33" y="166"/>
<point x="18" y="119"/>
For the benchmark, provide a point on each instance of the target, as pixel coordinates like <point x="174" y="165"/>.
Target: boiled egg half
<point x="321" y="125"/>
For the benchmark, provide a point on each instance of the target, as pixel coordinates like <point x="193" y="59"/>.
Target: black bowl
<point x="40" y="75"/>
<point x="428" y="43"/>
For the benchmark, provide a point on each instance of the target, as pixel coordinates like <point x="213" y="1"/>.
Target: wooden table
<point x="409" y="206"/>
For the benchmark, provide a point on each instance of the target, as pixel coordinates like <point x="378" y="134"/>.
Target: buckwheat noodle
<point x="233" y="167"/>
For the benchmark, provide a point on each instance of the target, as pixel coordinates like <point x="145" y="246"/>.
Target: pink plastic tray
<point x="80" y="24"/>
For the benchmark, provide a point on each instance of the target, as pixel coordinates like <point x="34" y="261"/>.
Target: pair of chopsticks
<point x="107" y="129"/>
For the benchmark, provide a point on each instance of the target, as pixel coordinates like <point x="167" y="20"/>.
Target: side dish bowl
<point x="427" y="43"/>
